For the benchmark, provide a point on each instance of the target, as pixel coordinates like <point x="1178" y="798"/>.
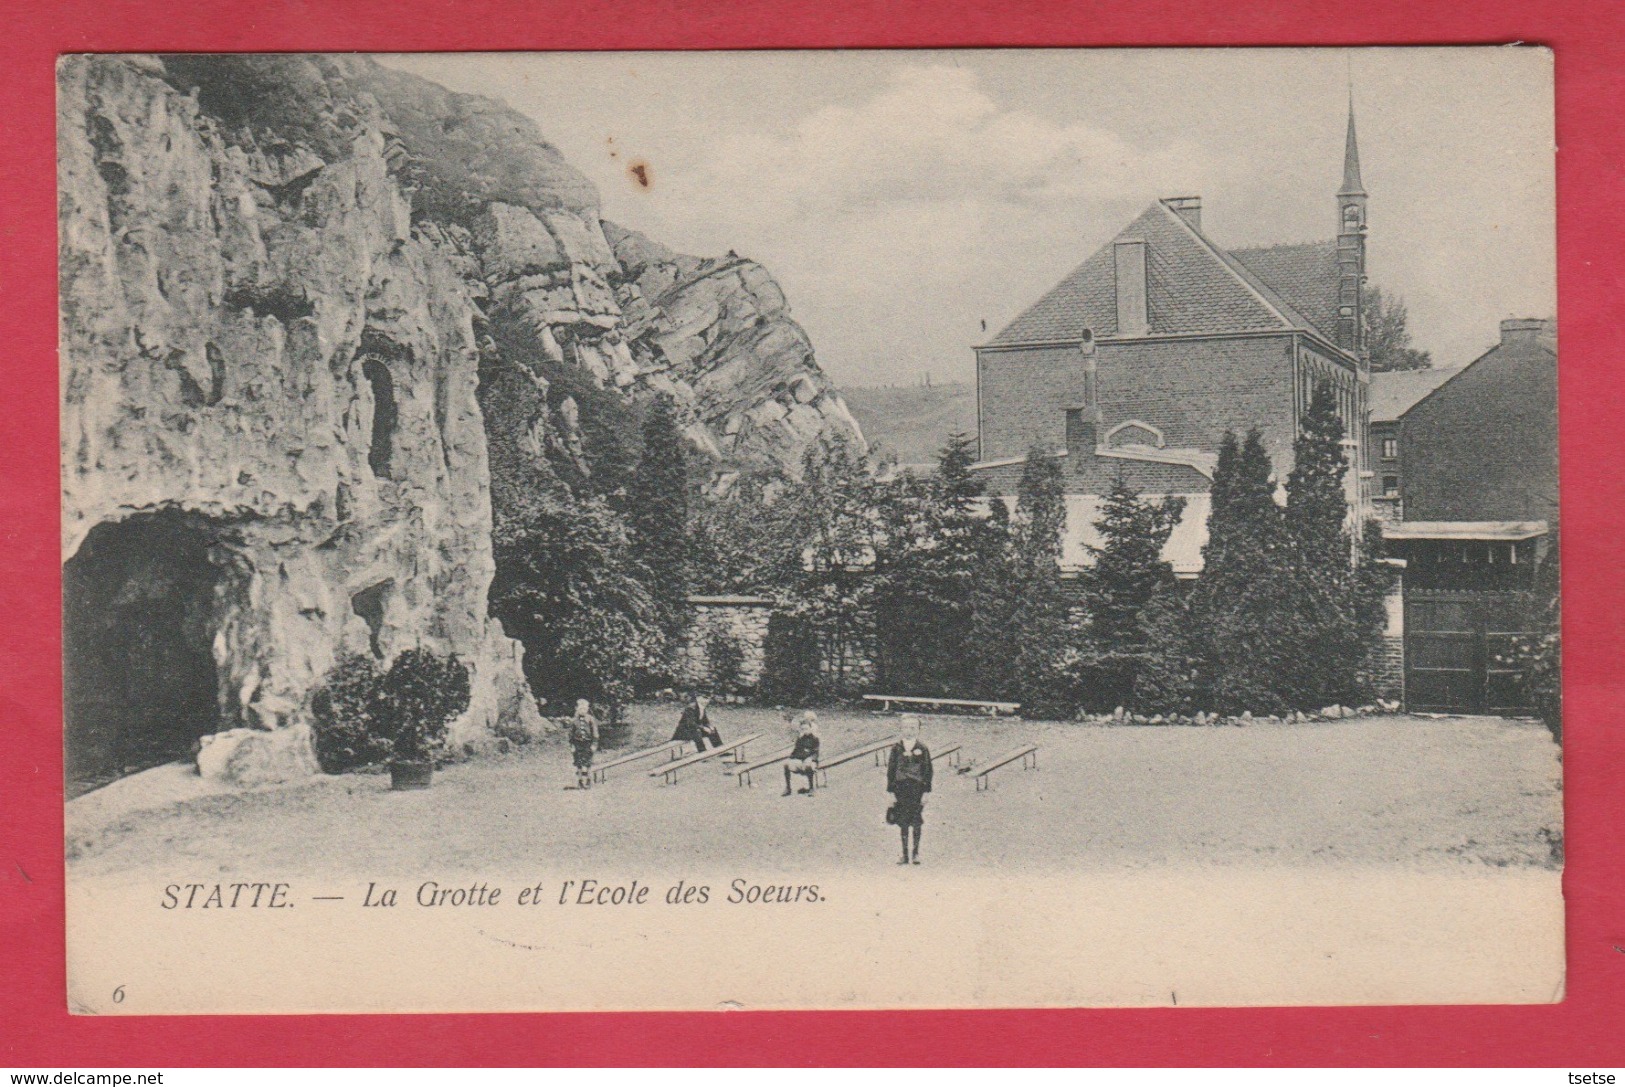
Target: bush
<point x="726" y="660"/>
<point x="422" y="694"/>
<point x="345" y="735"/>
<point x="791" y="675"/>
<point x="363" y="717"/>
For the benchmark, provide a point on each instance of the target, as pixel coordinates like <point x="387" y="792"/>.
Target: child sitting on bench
<point x="804" y="759"/>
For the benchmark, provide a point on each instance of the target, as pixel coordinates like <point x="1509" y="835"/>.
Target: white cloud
<point x="897" y="223"/>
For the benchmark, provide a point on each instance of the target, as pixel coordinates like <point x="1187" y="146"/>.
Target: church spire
<point x="1351" y="227"/>
<point x="1351" y="158"/>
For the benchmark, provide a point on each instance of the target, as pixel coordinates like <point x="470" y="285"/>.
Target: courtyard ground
<point x="1406" y="791"/>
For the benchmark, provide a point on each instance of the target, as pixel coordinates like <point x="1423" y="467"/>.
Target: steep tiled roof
<point x="1190" y="287"/>
<point x="1394" y="392"/>
<point x="1305" y="276"/>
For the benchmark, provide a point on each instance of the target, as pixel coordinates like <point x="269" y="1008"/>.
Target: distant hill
<point x="912" y="421"/>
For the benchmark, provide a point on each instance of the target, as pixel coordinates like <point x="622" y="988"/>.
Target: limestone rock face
<point x="255" y="338"/>
<point x="280" y="278"/>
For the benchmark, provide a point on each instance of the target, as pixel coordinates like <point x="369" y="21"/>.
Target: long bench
<point x="1026" y="753"/>
<point x="952" y="749"/>
<point x="875" y="748"/>
<point x="734" y="751"/>
<point x="778" y="756"/>
<point x="674" y="746"/>
<point x="992" y="709"/>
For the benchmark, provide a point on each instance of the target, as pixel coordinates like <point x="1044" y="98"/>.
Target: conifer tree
<point x="1038" y="630"/>
<point x="1320" y="574"/>
<point x="1128" y="570"/>
<point x="658" y="514"/>
<point x="926" y="572"/>
<point x="1242" y="598"/>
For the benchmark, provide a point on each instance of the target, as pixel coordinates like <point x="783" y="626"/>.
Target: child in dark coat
<point x="804" y="757"/>
<point x="583" y="742"/>
<point x="695" y="726"/>
<point x="908" y="779"/>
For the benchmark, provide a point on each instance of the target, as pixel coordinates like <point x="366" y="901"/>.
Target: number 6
<point x="118" y="995"/>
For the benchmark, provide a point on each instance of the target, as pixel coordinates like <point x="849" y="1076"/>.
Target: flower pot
<point x="410" y="773"/>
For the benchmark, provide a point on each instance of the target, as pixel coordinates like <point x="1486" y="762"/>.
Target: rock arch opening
<point x="139" y="613"/>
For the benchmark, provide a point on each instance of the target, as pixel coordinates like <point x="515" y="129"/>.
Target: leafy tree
<point x="1128" y="570"/>
<point x="830" y="517"/>
<point x="1388" y="335"/>
<point x="568" y="586"/>
<point x="742" y="537"/>
<point x="658" y="514"/>
<point x="1538" y="654"/>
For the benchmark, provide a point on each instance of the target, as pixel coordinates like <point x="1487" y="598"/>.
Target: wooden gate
<point x="1457" y="644"/>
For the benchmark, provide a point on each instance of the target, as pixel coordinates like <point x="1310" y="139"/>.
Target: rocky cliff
<point x="279" y="279"/>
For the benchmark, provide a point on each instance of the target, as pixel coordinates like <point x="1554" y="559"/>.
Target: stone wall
<point x="739" y="622"/>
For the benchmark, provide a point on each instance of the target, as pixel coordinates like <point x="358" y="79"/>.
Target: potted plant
<point x="417" y="698"/>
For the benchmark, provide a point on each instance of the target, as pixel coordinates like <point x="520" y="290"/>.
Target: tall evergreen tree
<point x="1242" y="596"/>
<point x="1127" y="571"/>
<point x="926" y="575"/>
<point x="658" y="514"/>
<point x="1038" y="639"/>
<point x="1317" y="508"/>
<point x="1320" y="573"/>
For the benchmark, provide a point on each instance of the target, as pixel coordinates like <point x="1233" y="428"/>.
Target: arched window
<point x="1135" y="432"/>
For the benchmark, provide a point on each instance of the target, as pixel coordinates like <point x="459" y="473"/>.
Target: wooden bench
<point x="945" y="752"/>
<point x="1029" y="752"/>
<point x="875" y="748"/>
<point x="992" y="709"/>
<point x="673" y="746"/>
<point x="735" y="752"/>
<point x="778" y="756"/>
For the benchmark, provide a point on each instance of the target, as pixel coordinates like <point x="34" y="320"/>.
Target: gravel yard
<point x="1419" y="793"/>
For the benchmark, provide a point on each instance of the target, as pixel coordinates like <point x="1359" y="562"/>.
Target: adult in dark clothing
<point x="804" y="756"/>
<point x="908" y="779"/>
<point x="695" y="725"/>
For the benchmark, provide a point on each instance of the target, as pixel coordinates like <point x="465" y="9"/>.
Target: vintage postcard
<point x="810" y="530"/>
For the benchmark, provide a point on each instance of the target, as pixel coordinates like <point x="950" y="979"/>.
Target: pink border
<point x="35" y="1029"/>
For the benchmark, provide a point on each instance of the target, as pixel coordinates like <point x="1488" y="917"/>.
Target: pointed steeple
<point x="1351" y="158"/>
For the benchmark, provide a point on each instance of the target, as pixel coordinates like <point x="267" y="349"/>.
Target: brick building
<point x="1392" y="395"/>
<point x="1479" y="498"/>
<point x="1136" y="363"/>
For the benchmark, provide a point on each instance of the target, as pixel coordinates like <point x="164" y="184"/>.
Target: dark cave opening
<point x="138" y="622"/>
<point x="384" y="413"/>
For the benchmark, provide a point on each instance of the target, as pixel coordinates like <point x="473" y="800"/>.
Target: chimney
<point x="1083" y="420"/>
<point x="1188" y="208"/>
<point x="1524" y="330"/>
<point x="1132" y="314"/>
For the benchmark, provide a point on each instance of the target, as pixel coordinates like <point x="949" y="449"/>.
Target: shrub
<point x="726" y="660"/>
<point x="791" y="674"/>
<point x="346" y="737"/>
<point x="421" y="694"/>
<point x="364" y="717"/>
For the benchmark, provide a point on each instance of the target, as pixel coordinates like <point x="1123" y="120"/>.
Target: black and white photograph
<point x="821" y="529"/>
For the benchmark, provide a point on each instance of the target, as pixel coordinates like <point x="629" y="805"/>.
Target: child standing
<point x="908" y="779"/>
<point x="583" y="742"/>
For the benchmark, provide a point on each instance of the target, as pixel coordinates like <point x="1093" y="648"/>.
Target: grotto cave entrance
<point x="138" y="622"/>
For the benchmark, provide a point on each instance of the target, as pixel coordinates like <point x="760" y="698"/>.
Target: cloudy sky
<point x="903" y="198"/>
